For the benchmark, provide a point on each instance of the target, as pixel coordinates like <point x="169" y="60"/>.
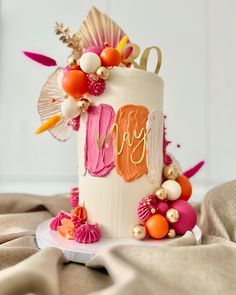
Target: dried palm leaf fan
<point x="96" y="30"/>
<point x="47" y="108"/>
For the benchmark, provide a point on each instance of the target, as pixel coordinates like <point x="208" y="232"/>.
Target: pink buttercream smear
<point x="166" y="158"/>
<point x="87" y="233"/>
<point x="99" y="156"/>
<point x="56" y="221"/>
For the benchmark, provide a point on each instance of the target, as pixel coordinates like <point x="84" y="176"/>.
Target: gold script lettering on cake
<point x="127" y="138"/>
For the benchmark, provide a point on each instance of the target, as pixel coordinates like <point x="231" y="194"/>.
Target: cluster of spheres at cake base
<point x="164" y="213"/>
<point x="122" y="137"/>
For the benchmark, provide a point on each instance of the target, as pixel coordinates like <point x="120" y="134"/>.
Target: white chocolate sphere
<point x="173" y="189"/>
<point x="69" y="108"/>
<point x="89" y="62"/>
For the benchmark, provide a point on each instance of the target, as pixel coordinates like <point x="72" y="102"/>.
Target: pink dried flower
<point x="74" y="123"/>
<point x="96" y="85"/>
<point x="78" y="221"/>
<point x="74" y="197"/>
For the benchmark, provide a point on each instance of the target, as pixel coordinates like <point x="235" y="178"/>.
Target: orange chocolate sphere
<point x="157" y="226"/>
<point x="75" y="83"/>
<point x="110" y="57"/>
<point x="186" y="187"/>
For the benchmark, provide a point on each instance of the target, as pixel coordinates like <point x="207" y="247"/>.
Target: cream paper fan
<point x="46" y="109"/>
<point x="97" y="29"/>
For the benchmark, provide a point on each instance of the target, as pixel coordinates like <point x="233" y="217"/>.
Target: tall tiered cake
<point x="128" y="184"/>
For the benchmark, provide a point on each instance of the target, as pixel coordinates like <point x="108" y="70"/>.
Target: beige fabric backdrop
<point x="181" y="267"/>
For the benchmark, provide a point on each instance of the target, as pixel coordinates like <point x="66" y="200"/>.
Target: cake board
<point x="82" y="253"/>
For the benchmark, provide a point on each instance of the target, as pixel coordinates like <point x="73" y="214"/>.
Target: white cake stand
<point x="82" y="253"/>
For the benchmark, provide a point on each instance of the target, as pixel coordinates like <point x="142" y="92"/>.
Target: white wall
<point x="198" y="42"/>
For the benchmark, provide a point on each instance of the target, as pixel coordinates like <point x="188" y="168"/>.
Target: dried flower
<point x="73" y="41"/>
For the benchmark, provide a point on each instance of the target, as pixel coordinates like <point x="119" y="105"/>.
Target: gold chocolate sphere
<point x="139" y="232"/>
<point x="73" y="59"/>
<point x="161" y="194"/>
<point x="84" y="105"/>
<point x="65" y="94"/>
<point x="170" y="172"/>
<point x="171" y="233"/>
<point x="103" y="73"/>
<point x="153" y="210"/>
<point x="172" y="215"/>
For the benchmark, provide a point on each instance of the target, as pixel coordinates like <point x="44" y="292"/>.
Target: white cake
<point x="110" y="200"/>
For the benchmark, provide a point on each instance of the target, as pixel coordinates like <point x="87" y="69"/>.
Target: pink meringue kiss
<point x="147" y="207"/>
<point x="56" y="221"/>
<point x="74" y="197"/>
<point x="87" y="233"/>
<point x="78" y="221"/>
<point x="187" y="216"/>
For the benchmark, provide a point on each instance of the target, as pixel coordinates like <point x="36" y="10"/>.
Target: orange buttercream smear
<point x="129" y="132"/>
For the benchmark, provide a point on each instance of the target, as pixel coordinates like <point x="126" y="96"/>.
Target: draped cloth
<point x="180" y="267"/>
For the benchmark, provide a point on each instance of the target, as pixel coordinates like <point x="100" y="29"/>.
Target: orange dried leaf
<point x="50" y="123"/>
<point x="124" y="40"/>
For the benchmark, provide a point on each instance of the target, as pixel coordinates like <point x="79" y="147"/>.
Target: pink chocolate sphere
<point x="162" y="207"/>
<point x="95" y="49"/>
<point x="67" y="69"/>
<point x="187" y="216"/>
